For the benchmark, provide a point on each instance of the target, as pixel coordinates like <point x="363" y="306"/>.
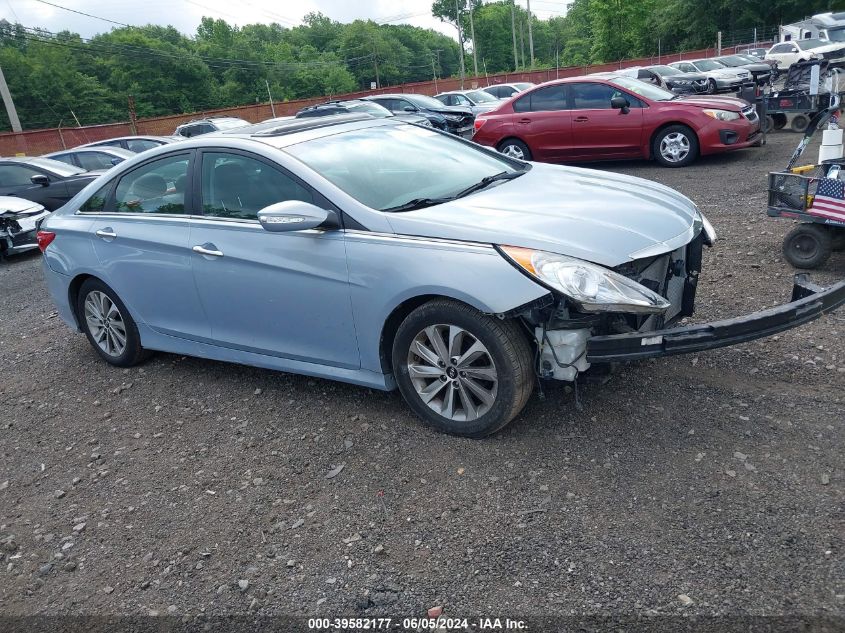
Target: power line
<point x="88" y="15"/>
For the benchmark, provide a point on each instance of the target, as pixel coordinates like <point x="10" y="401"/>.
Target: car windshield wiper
<point x="417" y="203"/>
<point x="488" y="180"/>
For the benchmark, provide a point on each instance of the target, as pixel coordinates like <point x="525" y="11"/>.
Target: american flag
<point x="829" y="201"/>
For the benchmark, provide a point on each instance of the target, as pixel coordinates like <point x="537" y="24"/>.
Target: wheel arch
<point x="404" y="308"/>
<point x="515" y="137"/>
<point x="73" y="295"/>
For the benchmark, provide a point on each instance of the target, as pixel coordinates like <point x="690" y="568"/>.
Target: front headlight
<point x="453" y="117"/>
<point x="593" y="288"/>
<point x="721" y="115"/>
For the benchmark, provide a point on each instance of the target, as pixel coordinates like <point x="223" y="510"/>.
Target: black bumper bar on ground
<point x="809" y="302"/>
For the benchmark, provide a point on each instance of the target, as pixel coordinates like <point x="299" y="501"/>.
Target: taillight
<point x="478" y="123"/>
<point x="44" y="239"/>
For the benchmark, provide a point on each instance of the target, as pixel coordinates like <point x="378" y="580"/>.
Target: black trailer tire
<point x="780" y="120"/>
<point x="463" y="372"/>
<point x="800" y="123"/>
<point x="807" y="246"/>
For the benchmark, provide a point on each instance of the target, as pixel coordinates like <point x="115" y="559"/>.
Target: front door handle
<point x="211" y="251"/>
<point x="581" y="119"/>
<point x="525" y="120"/>
<point x="106" y="233"/>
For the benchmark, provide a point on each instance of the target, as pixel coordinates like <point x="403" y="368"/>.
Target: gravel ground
<point x="708" y="484"/>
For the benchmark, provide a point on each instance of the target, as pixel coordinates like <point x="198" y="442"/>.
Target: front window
<point x="93" y="161"/>
<point x="709" y="64"/>
<point x="642" y="89"/>
<point x="237" y="186"/>
<point x="479" y="96"/>
<point x="389" y="166"/>
<point x="16" y="175"/>
<point x="421" y="101"/>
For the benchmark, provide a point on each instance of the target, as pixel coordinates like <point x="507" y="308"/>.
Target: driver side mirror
<point x="621" y="104"/>
<point x="409" y="109"/>
<point x="40" y="179"/>
<point x="295" y="215"/>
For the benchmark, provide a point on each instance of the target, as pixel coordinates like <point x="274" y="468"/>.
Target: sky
<point x="185" y="15"/>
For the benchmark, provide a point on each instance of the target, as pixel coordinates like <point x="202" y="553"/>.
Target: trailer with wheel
<point x="806" y="92"/>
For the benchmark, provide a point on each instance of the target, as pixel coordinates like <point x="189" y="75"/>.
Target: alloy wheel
<point x="674" y="147"/>
<point x="105" y="322"/>
<point x="513" y="151"/>
<point x="452" y="372"/>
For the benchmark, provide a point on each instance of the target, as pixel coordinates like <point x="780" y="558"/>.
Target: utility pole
<point x="513" y="31"/>
<point x="472" y="35"/>
<point x="133" y="117"/>
<point x="522" y="41"/>
<point x="530" y="36"/>
<point x="10" y="105"/>
<point x="460" y="40"/>
<point x="272" y="107"/>
<point x="719" y="43"/>
<point x="434" y="68"/>
<point x="375" y="62"/>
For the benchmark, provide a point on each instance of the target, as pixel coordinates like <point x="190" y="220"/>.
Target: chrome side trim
<point x="417" y="240"/>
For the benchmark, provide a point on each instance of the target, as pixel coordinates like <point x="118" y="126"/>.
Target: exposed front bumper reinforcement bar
<point x="809" y="302"/>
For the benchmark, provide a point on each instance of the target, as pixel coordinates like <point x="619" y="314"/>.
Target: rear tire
<point x="675" y="146"/>
<point x="514" y="148"/>
<point x="780" y="120"/>
<point x="807" y="246"/>
<point x="108" y="325"/>
<point x="800" y="123"/>
<point x="461" y="371"/>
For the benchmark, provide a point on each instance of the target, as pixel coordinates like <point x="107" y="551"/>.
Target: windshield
<point x="57" y="167"/>
<point x="479" y="96"/>
<point x="732" y="60"/>
<point x="708" y="64"/>
<point x="836" y="35"/>
<point x="643" y="89"/>
<point x="388" y="165"/>
<point x="525" y="85"/>
<point x="665" y="71"/>
<point x="369" y="107"/>
<point x="807" y="44"/>
<point x="421" y="101"/>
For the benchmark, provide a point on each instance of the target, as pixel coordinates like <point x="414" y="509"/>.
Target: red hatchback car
<point x="610" y="116"/>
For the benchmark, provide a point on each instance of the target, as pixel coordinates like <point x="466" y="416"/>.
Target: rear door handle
<point x="106" y="233"/>
<point x="211" y="251"/>
<point x="581" y="119"/>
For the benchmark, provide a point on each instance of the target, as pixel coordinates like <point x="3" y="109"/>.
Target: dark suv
<point x="454" y="119"/>
<point x="358" y="106"/>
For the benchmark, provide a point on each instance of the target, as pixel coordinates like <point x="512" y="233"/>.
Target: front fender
<point x="387" y="270"/>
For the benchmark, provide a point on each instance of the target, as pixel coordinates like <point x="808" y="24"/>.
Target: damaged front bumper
<point x="809" y="302"/>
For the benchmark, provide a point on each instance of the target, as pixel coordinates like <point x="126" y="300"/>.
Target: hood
<point x="711" y="101"/>
<point x="829" y="48"/>
<point x="451" y="110"/>
<point x="599" y="217"/>
<point x="87" y="175"/>
<point x="729" y="72"/>
<point x="18" y="205"/>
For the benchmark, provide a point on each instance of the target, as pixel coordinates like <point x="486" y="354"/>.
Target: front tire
<point x="461" y="371"/>
<point x="514" y="148"/>
<point x="675" y="146"/>
<point x="108" y="325"/>
<point x="807" y="246"/>
<point x="711" y="87"/>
